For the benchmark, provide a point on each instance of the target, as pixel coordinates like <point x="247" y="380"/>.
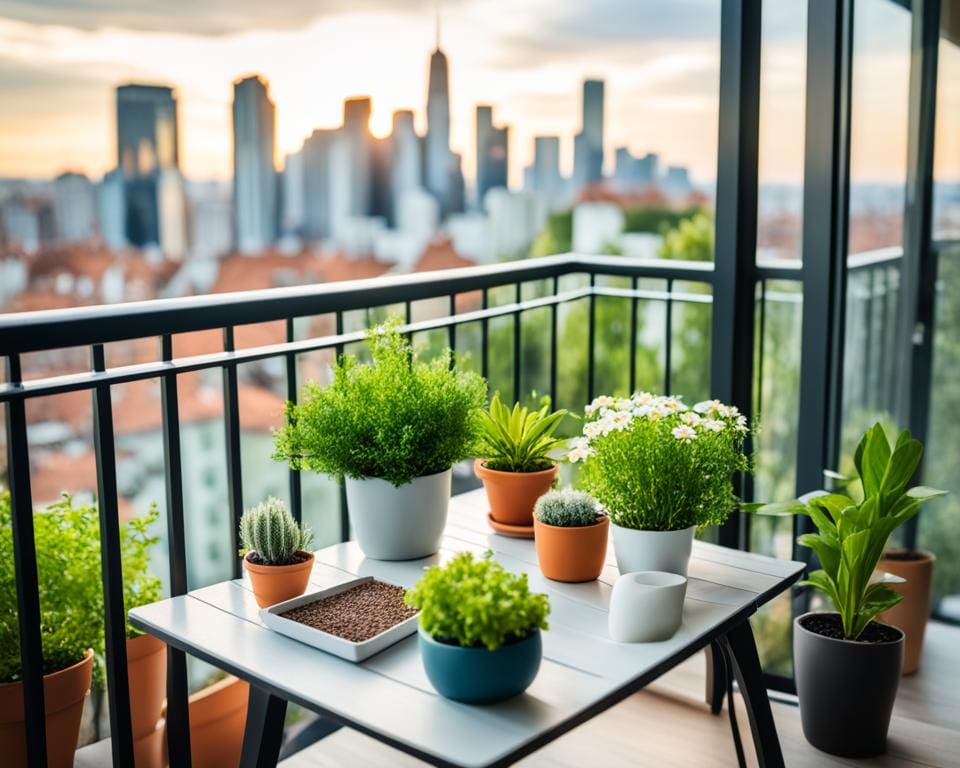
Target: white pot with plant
<point x="661" y="470"/>
<point x="393" y="429"/>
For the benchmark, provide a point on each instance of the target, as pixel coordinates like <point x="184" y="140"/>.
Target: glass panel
<point x="946" y="165"/>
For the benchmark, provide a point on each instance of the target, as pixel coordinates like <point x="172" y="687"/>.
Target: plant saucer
<point x="517" y="531"/>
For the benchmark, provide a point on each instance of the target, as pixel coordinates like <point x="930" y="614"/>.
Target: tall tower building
<point x="438" y="158"/>
<point x="588" y="144"/>
<point x="491" y="154"/>
<point x="405" y="160"/>
<point x="255" y="213"/>
<point x="547" y="182"/>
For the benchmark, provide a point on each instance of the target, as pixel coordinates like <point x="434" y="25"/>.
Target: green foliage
<point x="519" y="440"/>
<point x="476" y="603"/>
<point x="67" y="538"/>
<point x="851" y="537"/>
<point x="656" y="465"/>
<point x="397" y="418"/>
<point x="270" y="530"/>
<point x="556" y="237"/>
<point x="567" y="508"/>
<point x="654" y="219"/>
<point x="691" y="239"/>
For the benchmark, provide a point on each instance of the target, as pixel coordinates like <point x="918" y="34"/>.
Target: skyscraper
<point x="317" y="151"/>
<point x="255" y="213"/>
<point x="147" y="143"/>
<point x="588" y="144"/>
<point x="74" y="206"/>
<point x="491" y="154"/>
<point x="405" y="160"/>
<point x="547" y="182"/>
<point x="438" y="159"/>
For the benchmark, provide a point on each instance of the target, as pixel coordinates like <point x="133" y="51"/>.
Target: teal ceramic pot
<point x="479" y="676"/>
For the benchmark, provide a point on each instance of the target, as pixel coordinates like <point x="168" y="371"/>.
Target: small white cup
<point x="646" y="606"/>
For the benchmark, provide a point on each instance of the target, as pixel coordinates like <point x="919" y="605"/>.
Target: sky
<point x="60" y="61"/>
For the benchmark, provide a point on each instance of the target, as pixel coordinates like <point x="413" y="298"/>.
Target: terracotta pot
<point x="218" y="715"/>
<point x="273" y="584"/>
<point x="150" y="751"/>
<point x="912" y="613"/>
<point x="513" y="494"/>
<point x="574" y="553"/>
<point x="63" y="696"/>
<point x="147" y="671"/>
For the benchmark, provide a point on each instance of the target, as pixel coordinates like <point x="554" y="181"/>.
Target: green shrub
<point x="397" y="418"/>
<point x="475" y="603"/>
<point x="566" y="509"/>
<point x="519" y="440"/>
<point x="67" y="538"/>
<point x="270" y="531"/>
<point x="657" y="465"/>
<point x="851" y="537"/>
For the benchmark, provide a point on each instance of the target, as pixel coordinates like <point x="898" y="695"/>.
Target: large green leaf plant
<point x="519" y="439"/>
<point x="851" y="537"/>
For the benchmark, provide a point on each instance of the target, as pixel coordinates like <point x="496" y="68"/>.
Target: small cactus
<point x="567" y="508"/>
<point x="270" y="531"/>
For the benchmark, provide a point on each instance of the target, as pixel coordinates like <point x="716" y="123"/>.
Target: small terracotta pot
<point x="273" y="584"/>
<point x="513" y="494"/>
<point x="912" y="612"/>
<point x="150" y="751"/>
<point x="63" y="696"/>
<point x="218" y="715"/>
<point x="147" y="672"/>
<point x="575" y="553"/>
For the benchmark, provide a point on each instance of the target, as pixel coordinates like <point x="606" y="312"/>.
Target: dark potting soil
<point x="356" y="614"/>
<point x="829" y="625"/>
<point x="298" y="557"/>
<point x="904" y="555"/>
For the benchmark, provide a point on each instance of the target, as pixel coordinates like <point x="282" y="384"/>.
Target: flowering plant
<point x="656" y="464"/>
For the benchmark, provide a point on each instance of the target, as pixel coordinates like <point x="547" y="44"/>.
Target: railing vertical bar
<point x="231" y="422"/>
<point x="591" y="340"/>
<point x="633" y="336"/>
<point x="484" y="337"/>
<point x="452" y="330"/>
<point x="178" y="718"/>
<point x="553" y="345"/>
<point x="885" y="375"/>
<point x="668" y="341"/>
<point x="296" y="490"/>
<point x="867" y="398"/>
<point x="115" y="623"/>
<point x="518" y="297"/>
<point x="342" y="490"/>
<point x="25" y="568"/>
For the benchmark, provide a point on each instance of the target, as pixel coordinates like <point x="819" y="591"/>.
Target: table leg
<point x="749" y="675"/>
<point x="716" y="678"/>
<point x="263" y="734"/>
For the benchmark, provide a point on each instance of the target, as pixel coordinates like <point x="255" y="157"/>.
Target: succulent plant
<point x="567" y="508"/>
<point x="270" y="531"/>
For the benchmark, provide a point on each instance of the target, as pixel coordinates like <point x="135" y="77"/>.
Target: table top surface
<point x="389" y="697"/>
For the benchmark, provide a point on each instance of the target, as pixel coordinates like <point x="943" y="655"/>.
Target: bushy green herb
<point x="851" y="537"/>
<point x="567" y="508"/>
<point x="270" y="531"/>
<point x="397" y="418"/>
<point x="657" y="465"/>
<point x="67" y="538"/>
<point x="519" y="440"/>
<point x="475" y="603"/>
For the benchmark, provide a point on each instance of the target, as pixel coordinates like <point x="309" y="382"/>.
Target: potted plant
<point x="847" y="664"/>
<point x="661" y="470"/>
<point x="218" y="716"/>
<point x="67" y="540"/>
<point x="915" y="566"/>
<point x="517" y="469"/>
<point x="393" y="429"/>
<point x="275" y="552"/>
<point x="570" y="535"/>
<point x="479" y="630"/>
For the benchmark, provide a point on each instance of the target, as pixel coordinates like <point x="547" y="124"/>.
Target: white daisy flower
<point x="684" y="433"/>
<point x="715" y="425"/>
<point x="691" y="419"/>
<point x="623" y="404"/>
<point x="707" y="406"/>
<point x="641" y="398"/>
<point x="580" y="453"/>
<point x="593" y="429"/>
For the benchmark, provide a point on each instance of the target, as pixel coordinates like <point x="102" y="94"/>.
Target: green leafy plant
<point x="270" y="531"/>
<point x="67" y="540"/>
<point x="476" y="603"/>
<point x="397" y="418"/>
<point x="519" y="440"/>
<point x="655" y="464"/>
<point x="851" y="537"/>
<point x="566" y="509"/>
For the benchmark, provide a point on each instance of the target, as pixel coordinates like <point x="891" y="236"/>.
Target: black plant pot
<point x="846" y="689"/>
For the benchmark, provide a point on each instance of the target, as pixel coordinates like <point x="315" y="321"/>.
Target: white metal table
<point x="389" y="697"/>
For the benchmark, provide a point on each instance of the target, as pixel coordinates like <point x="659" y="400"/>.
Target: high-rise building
<point x="74" y="207"/>
<point x="405" y="160"/>
<point x="255" y="209"/>
<point x="438" y="158"/>
<point x="547" y="182"/>
<point x="588" y="144"/>
<point x="147" y="143"/>
<point x="292" y="195"/>
<point x="111" y="210"/>
<point x="317" y="151"/>
<point x="491" y="153"/>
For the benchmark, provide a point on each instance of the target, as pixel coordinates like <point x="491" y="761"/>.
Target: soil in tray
<point x="356" y="614"/>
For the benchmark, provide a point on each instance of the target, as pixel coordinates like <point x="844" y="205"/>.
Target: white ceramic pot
<point x="652" y="550"/>
<point x="646" y="607"/>
<point x="399" y="523"/>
